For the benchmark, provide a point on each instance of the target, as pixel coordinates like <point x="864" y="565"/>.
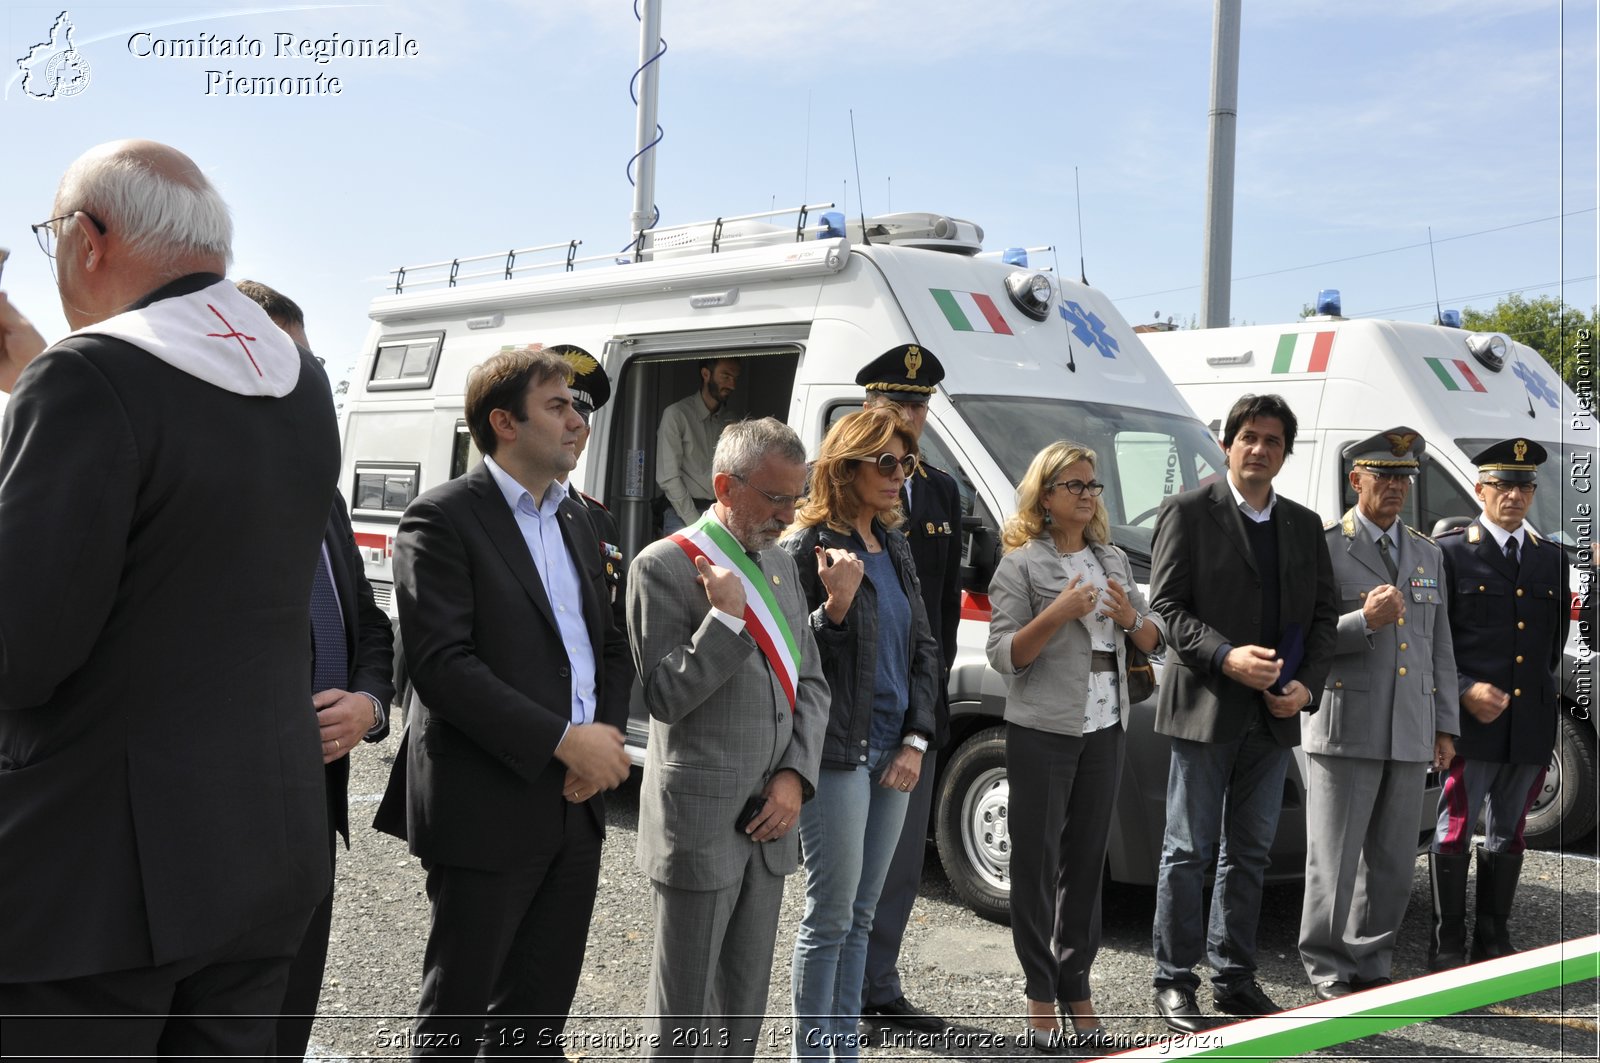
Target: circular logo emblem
<point x="66" y="74"/>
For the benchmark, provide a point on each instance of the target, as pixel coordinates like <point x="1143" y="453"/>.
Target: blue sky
<point x="1360" y="125"/>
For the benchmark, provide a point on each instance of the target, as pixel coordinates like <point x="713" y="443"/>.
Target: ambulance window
<point x="1149" y="467"/>
<point x="1439" y="496"/>
<point x="382" y="492"/>
<point x="406" y="362"/>
<point x="463" y="451"/>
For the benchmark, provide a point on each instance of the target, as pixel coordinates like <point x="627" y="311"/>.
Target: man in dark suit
<point x="352" y="674"/>
<point x="1510" y="601"/>
<point x="907" y="376"/>
<point x="162" y="804"/>
<point x="1245" y="583"/>
<point x="523" y="682"/>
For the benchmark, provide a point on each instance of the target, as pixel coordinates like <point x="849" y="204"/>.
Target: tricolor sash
<point x="763" y="618"/>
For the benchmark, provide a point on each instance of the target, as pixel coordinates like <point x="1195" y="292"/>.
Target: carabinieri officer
<point x="1509" y="609"/>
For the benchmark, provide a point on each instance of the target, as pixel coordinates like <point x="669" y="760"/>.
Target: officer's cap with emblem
<point x="1395" y="450"/>
<point x="1514" y="461"/>
<point x="907" y="373"/>
<point x="590" y="385"/>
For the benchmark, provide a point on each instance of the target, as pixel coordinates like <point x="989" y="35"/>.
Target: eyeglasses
<point x="1392" y="477"/>
<point x="886" y="463"/>
<point x="1094" y="488"/>
<point x="781" y="501"/>
<point x="45" y="231"/>
<point x="1511" y="488"/>
<point x="584" y="410"/>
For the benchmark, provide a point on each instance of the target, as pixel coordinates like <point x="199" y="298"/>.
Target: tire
<point x="1565" y="811"/>
<point x="970" y="810"/>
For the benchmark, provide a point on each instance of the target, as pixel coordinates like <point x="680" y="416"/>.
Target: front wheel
<point x="972" y="829"/>
<point x="1564" y="810"/>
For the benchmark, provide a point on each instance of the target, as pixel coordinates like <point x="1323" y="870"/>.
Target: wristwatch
<point x="917" y="742"/>
<point x="1138" y="622"/>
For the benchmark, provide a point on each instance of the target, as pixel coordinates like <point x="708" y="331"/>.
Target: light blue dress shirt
<point x="540" y="524"/>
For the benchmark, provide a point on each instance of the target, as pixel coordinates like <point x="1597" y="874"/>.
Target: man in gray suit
<point x="1381" y="724"/>
<point x="738" y="707"/>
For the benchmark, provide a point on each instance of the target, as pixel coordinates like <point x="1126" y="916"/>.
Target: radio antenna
<point x="1438" y="314"/>
<point x="861" y="200"/>
<point x="1078" y="198"/>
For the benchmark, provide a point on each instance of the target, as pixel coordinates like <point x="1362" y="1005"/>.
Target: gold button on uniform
<point x="1481" y="587"/>
<point x="1401" y="622"/>
<point x="1519" y="658"/>
<point x="1517" y="693"/>
<point x="1519" y="592"/>
<point x="1521" y="625"/>
<point x="1402" y="671"/>
<point x="1402" y="645"/>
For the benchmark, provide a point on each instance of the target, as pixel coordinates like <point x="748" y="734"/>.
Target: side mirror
<point x="981" y="554"/>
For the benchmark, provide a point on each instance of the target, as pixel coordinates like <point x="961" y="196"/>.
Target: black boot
<point x="1497" y="885"/>
<point x="1447" y="946"/>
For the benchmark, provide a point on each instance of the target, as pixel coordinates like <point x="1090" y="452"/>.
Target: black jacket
<point x="850" y="650"/>
<point x="933" y="530"/>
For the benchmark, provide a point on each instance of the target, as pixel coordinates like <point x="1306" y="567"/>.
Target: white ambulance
<point x="1030" y="358"/>
<point x="1348" y="378"/>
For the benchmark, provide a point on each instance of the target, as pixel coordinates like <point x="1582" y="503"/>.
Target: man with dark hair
<point x="352" y="673"/>
<point x="738" y="707"/>
<point x="522" y="684"/>
<point x="162" y="818"/>
<point x="687" y="438"/>
<point x="907" y="377"/>
<point x="591" y="388"/>
<point x="1252" y="639"/>
<point x="1509" y="611"/>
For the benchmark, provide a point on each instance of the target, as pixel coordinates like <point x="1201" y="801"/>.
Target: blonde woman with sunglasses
<point x="883" y="669"/>
<point x="1065" y="604"/>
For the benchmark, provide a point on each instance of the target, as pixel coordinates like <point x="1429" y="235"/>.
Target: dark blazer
<point x="616" y="570"/>
<point x="1509" y="627"/>
<point x="1205" y="585"/>
<point x="161" y="780"/>
<point x="475" y="782"/>
<point x="369" y="642"/>
<point x="933" y="530"/>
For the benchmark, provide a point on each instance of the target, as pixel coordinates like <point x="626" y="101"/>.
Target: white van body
<point x="1346" y="379"/>
<point x="805" y="315"/>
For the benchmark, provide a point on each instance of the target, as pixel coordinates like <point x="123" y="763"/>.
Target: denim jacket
<point x="850" y="650"/>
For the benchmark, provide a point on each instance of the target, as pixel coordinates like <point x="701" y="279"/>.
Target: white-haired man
<point x="162" y="824"/>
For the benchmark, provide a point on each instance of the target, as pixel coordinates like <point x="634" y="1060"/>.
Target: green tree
<point x="1544" y="323"/>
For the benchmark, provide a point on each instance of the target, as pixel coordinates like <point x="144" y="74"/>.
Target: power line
<point x="1370" y="254"/>
<point x="1386" y="311"/>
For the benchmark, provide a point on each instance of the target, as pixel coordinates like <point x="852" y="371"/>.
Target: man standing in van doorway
<point x="1252" y="640"/>
<point x="1510" y="602"/>
<point x="907" y="376"/>
<point x="1382" y="723"/>
<point x="591" y="388"/>
<point x="352" y="665"/>
<point x="688" y="437"/>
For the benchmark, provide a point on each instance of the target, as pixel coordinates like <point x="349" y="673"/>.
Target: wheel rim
<point x="985" y="828"/>
<point x="1551" y="785"/>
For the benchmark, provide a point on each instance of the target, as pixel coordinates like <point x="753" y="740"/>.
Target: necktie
<point x="1511" y="553"/>
<point x="330" y="662"/>
<point x="1387" y="553"/>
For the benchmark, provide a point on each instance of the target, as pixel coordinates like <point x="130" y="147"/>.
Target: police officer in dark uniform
<point x="590" y="390"/>
<point x="1509" y="609"/>
<point x="907" y="376"/>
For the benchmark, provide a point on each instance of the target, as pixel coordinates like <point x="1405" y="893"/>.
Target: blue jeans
<point x="849" y="831"/>
<point x="1234" y="789"/>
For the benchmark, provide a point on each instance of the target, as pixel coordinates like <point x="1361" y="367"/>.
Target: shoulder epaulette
<point x="1474" y="532"/>
<point x="1532" y="537"/>
<point x="1329" y="525"/>
<point x="1348" y="523"/>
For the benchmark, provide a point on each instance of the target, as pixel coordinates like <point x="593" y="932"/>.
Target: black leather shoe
<point x="901" y="1012"/>
<point x="1244" y="999"/>
<point x="1178" y="1009"/>
<point x="1332" y="990"/>
<point x="1361" y="985"/>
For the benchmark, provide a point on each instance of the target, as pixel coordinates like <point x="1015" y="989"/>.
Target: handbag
<point x="1141" y="673"/>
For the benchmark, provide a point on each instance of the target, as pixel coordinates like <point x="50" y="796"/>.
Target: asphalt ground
<point x="954" y="963"/>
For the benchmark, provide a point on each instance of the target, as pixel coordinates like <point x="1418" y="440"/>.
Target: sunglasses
<point x="886" y="463"/>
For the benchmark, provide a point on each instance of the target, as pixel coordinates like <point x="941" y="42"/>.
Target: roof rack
<point x="705" y="237"/>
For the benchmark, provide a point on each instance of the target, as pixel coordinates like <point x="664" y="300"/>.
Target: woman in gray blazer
<point x="1065" y="605"/>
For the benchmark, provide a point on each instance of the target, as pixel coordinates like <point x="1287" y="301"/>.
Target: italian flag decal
<point x="1455" y="374"/>
<point x="970" y="311"/>
<point x="1303" y="352"/>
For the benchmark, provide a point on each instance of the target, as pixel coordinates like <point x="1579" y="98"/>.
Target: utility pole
<point x="644" y="186"/>
<point x="1216" y="275"/>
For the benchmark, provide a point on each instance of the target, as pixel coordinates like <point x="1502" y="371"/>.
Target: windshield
<point x="1566" y="481"/>
<point x="1144" y="455"/>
